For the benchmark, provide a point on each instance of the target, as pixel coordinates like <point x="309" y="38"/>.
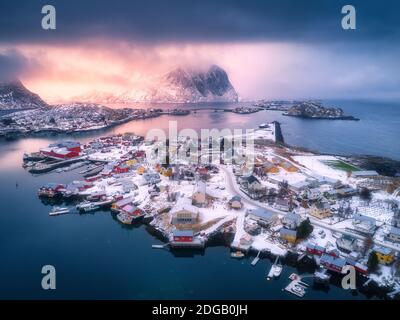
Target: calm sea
<point x="95" y="257"/>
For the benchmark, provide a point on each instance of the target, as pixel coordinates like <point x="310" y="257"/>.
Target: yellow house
<point x="321" y="210"/>
<point x="141" y="170"/>
<point x="288" y="235"/>
<point x="131" y="162"/>
<point x="385" y="255"/>
<point x="166" y="171"/>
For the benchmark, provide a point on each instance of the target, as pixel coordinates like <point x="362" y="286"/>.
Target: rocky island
<point x="314" y="110"/>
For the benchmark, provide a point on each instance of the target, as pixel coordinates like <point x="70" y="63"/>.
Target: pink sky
<point x="256" y="70"/>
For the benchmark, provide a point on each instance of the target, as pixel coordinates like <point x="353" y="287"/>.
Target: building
<point x="364" y="224"/>
<point x="69" y="145"/>
<point x="364" y="174"/>
<point x="262" y="216"/>
<point x="151" y="178"/>
<point x="313" y="194"/>
<point x="118" y="205"/>
<point x="385" y="255"/>
<point x="346" y="243"/>
<point x="50" y="190"/>
<point x="184" y="212"/>
<point x="394" y="234"/>
<point x="250" y="182"/>
<point x="59" y="153"/>
<point x="235" y="202"/>
<point x="140" y="170"/>
<point x="282" y="204"/>
<point x="252" y="186"/>
<point x="291" y="220"/>
<point x="199" y="195"/>
<point x="299" y="186"/>
<point x="346" y="192"/>
<point x="332" y="263"/>
<point x="182" y="235"/>
<point x="121" y="168"/>
<point x="288" y="235"/>
<point x="314" y="249"/>
<point x="320" y="210"/>
<point x="132" y="210"/>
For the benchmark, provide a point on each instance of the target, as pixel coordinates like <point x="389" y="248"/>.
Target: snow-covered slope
<point x="14" y="95"/>
<point x="177" y="86"/>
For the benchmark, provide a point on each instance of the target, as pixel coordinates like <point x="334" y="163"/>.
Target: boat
<point x="124" y="218"/>
<point x="276" y="270"/>
<point x="88" y="206"/>
<point x="263" y="125"/>
<point x="237" y="255"/>
<point x="91" y="207"/>
<point x="58" y="210"/>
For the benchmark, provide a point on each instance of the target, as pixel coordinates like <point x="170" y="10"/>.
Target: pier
<point x="47" y="167"/>
<point x="296" y="286"/>
<point x="256" y="259"/>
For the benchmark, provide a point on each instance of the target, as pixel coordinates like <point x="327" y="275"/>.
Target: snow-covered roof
<point x="395" y="231"/>
<point x="261" y="213"/>
<point x="186" y="205"/>
<point x="200" y="187"/>
<point x="366" y="173"/>
<point x="182" y="233"/>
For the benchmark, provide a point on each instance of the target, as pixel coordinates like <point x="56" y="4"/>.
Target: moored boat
<point x="58" y="210"/>
<point x="237" y="255"/>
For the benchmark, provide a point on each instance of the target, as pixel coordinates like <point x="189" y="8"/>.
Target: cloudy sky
<point x="270" y="49"/>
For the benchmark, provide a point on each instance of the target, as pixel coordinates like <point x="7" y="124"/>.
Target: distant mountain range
<point x="14" y="95"/>
<point x="178" y="86"/>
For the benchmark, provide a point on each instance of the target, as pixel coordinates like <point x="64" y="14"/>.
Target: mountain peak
<point x="181" y="85"/>
<point x="14" y="95"/>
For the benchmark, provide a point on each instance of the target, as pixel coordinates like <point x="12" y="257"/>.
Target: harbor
<point x="69" y="190"/>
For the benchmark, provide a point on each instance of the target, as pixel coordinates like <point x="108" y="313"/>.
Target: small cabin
<point x="235" y="202"/>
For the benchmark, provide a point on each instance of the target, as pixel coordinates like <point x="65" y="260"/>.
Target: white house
<point x="184" y="212"/>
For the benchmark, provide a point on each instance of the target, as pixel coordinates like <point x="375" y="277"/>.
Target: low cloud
<point x="13" y="65"/>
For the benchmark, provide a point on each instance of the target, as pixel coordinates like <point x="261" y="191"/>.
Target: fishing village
<point x="288" y="206"/>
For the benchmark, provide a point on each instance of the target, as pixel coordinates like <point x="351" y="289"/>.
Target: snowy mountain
<point x="14" y="95"/>
<point x="177" y="86"/>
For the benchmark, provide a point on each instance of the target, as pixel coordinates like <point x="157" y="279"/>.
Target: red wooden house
<point x="183" y="235"/>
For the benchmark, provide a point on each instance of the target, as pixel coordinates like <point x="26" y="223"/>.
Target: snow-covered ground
<point x="315" y="163"/>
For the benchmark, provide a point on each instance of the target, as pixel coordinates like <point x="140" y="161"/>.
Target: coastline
<point x="351" y="118"/>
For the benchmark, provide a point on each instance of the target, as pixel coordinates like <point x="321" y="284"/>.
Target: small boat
<point x="263" y="125"/>
<point x="58" y="210"/>
<point x="91" y="207"/>
<point x="276" y="270"/>
<point x="237" y="255"/>
<point x="87" y="206"/>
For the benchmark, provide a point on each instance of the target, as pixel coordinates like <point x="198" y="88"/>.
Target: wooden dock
<point x="296" y="286"/>
<point x="256" y="259"/>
